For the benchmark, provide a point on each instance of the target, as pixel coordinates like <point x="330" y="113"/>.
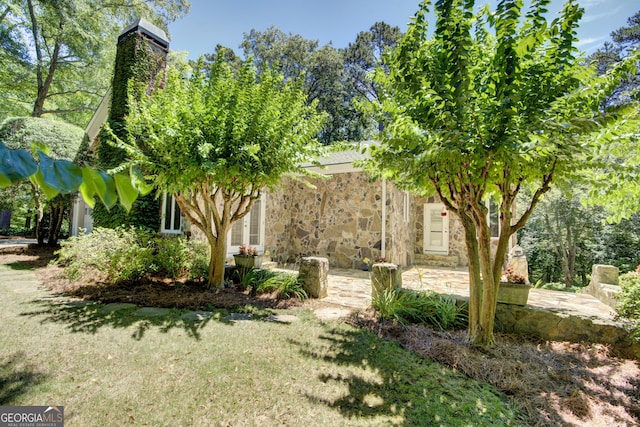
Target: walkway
<point x="19" y="241"/>
<point x="352" y="288"/>
<point x="550" y="315"/>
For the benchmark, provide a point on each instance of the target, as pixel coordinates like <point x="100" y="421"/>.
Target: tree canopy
<point x="493" y="102"/>
<point x="618" y="156"/>
<point x="68" y="65"/>
<point x="217" y="139"/>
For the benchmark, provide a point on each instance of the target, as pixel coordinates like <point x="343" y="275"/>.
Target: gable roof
<point x="342" y="161"/>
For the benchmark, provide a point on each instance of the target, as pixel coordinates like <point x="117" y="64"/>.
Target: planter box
<point x="248" y="261"/>
<point x="513" y="293"/>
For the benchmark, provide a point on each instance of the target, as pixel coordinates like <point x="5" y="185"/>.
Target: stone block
<point x="385" y="276"/>
<point x="313" y="274"/>
<point x="604" y="274"/>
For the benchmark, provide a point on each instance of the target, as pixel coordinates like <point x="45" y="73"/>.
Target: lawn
<point x="116" y="367"/>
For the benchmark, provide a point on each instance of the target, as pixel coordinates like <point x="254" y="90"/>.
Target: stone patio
<point x="548" y="314"/>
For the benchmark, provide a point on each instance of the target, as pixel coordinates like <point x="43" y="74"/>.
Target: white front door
<point x="436" y="229"/>
<point x="249" y="230"/>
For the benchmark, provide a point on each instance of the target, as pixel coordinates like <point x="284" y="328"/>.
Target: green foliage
<point x="137" y="67"/>
<point x="198" y="262"/>
<point x="628" y="306"/>
<point x="324" y="76"/>
<point x="426" y="307"/>
<point x="286" y="285"/>
<point x="172" y="258"/>
<point x="62" y="139"/>
<point x="562" y="229"/>
<point x="559" y="286"/>
<point x="491" y="103"/>
<point x="119" y="255"/>
<point x="217" y="139"/>
<point x="255" y="277"/>
<point x="126" y="254"/>
<point x="615" y="182"/>
<point x="67" y="66"/>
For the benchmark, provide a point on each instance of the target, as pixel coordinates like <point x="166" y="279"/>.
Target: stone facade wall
<point x="341" y="219"/>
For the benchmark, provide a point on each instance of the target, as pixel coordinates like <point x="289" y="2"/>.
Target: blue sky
<point x="338" y="21"/>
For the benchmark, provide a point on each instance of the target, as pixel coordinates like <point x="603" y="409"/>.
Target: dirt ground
<point x="553" y="383"/>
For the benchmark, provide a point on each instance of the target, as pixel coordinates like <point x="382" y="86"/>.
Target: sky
<point x="212" y="22"/>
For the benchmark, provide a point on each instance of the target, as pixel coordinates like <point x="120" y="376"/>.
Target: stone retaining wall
<point x="558" y="326"/>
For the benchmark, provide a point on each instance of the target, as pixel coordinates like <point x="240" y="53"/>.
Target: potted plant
<point x="248" y="257"/>
<point x="514" y="290"/>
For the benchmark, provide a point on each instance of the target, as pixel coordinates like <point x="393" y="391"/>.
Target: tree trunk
<point x="484" y="334"/>
<point x="475" y="282"/>
<point x="218" y="257"/>
<point x="56" y="215"/>
<point x="39" y="214"/>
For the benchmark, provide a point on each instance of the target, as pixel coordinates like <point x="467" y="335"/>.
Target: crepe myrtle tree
<point x="492" y="102"/>
<point x="217" y="139"/>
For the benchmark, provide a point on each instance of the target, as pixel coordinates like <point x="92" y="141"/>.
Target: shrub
<point x="198" y="266"/>
<point x="426" y="307"/>
<point x="120" y="255"/>
<point x="255" y="277"/>
<point x="628" y="306"/>
<point x="286" y="285"/>
<point x="172" y="256"/>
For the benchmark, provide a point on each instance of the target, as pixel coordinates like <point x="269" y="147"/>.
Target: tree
<point x="559" y="237"/>
<point x="619" y="157"/>
<point x="218" y="139"/>
<point x="55" y="138"/>
<point x="367" y="53"/>
<point x="67" y="67"/>
<point x="324" y="75"/>
<point x="490" y="104"/>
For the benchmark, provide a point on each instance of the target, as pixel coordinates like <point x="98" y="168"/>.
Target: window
<point x="494" y="218"/>
<point x="171" y="215"/>
<point x="249" y="230"/>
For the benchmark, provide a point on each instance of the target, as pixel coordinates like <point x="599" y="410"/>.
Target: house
<point x="345" y="217"/>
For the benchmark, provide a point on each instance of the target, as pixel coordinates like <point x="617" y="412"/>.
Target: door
<point x="436" y="229"/>
<point x="249" y="230"/>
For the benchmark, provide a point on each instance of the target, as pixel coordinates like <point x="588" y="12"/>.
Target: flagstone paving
<point x="352" y="289"/>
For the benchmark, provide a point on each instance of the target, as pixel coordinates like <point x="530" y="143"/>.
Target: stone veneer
<point x="340" y="219"/>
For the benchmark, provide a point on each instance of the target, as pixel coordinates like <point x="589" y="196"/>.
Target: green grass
<point x="117" y="368"/>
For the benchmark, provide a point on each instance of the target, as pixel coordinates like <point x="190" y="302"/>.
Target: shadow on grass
<point x="390" y="381"/>
<point x="21" y="266"/>
<point x="88" y="317"/>
<point x="16" y="377"/>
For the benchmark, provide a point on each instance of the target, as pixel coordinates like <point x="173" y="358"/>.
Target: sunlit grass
<point x="117" y="368"/>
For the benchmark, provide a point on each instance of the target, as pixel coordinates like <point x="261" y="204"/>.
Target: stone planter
<point x="513" y="293"/>
<point x="248" y="261"/>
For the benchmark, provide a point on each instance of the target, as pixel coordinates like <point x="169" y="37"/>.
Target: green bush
<point x="172" y="256"/>
<point x="628" y="306"/>
<point x="559" y="286"/>
<point x="120" y="255"/>
<point x="199" y="255"/>
<point x="128" y="254"/>
<point x="286" y="285"/>
<point x="425" y="307"/>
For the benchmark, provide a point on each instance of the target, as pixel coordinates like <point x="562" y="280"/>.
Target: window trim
<point x="175" y="210"/>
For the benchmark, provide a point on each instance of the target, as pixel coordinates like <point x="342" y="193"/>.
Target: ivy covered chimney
<point x="141" y="56"/>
